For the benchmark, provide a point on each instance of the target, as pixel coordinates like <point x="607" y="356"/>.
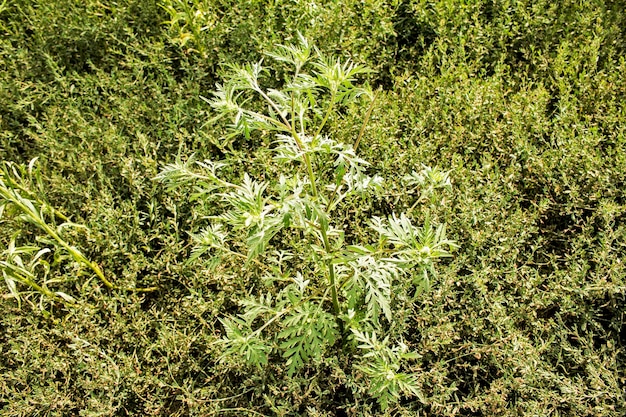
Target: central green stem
<point x="325" y="241"/>
<point x="331" y="274"/>
<point x="314" y="191"/>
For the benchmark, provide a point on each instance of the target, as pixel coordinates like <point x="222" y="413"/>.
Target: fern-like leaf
<point x="242" y="342"/>
<point x="372" y="279"/>
<point x="382" y="366"/>
<point x="307" y="332"/>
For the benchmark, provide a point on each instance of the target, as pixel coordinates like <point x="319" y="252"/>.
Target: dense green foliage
<point x="522" y="102"/>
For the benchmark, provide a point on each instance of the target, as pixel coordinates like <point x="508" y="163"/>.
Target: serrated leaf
<point x="306" y="333"/>
<point x="259" y="239"/>
<point x="244" y="343"/>
<point x="372" y="278"/>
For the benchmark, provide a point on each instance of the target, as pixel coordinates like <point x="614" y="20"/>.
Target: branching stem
<point x="35" y="217"/>
<point x="274" y="106"/>
<point x="327" y="115"/>
<point x="28" y="281"/>
<point x="365" y="120"/>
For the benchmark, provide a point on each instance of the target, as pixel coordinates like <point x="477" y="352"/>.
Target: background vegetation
<point x="523" y="101"/>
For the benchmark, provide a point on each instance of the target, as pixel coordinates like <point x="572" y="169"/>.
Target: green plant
<point x="189" y="20"/>
<point x="325" y="291"/>
<point x="18" y="202"/>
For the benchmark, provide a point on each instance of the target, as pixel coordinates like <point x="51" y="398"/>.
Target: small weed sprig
<point x="18" y="201"/>
<point x="323" y="288"/>
<point x="188" y="21"/>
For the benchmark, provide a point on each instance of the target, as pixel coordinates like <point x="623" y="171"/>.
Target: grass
<point x="521" y="102"/>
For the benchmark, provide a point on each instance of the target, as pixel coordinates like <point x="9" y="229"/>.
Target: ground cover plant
<point x="502" y="120"/>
